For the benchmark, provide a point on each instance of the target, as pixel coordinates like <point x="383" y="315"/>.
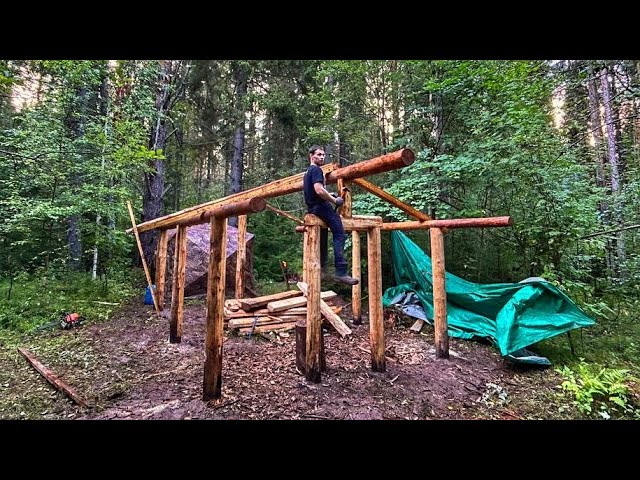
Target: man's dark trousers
<point x="326" y="212"/>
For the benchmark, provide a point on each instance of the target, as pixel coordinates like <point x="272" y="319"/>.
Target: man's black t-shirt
<point x="313" y="175"/>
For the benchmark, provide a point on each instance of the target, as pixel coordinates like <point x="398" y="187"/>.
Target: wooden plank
<point x="263" y="320"/>
<point x="243" y="314"/>
<point x="417" y="326"/>
<point x="280" y="327"/>
<point x="281" y="305"/>
<point x="52" y="378"/>
<point x="232" y="304"/>
<point x="228" y="315"/>
<point x="333" y="318"/>
<point x="144" y="263"/>
<point x="248" y="304"/>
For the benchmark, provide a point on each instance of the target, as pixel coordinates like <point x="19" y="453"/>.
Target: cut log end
<point x="408" y="157"/>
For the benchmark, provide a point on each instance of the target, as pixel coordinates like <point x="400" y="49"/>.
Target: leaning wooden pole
<point x="161" y="266"/>
<point x="212" y="382"/>
<point x="439" y="294"/>
<point x="178" y="281"/>
<point x="144" y="263"/>
<point x="376" y="321"/>
<point x="384" y="163"/>
<point x="311" y="274"/>
<point x="377" y="191"/>
<point x="241" y="256"/>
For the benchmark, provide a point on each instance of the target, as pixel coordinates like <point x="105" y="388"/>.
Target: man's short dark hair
<point x="313" y="148"/>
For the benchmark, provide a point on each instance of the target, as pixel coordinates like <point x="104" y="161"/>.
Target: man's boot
<point x="345" y="278"/>
<point x="325" y="276"/>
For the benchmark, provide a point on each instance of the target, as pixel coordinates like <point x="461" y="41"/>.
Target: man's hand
<point x="339" y="202"/>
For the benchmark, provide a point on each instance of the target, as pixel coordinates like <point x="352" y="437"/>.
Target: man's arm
<point x="323" y="194"/>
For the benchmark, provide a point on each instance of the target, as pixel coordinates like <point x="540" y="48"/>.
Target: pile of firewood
<point x="279" y="312"/>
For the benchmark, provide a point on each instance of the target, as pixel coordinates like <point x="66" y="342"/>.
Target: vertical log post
<point x="356" y="291"/>
<point x="212" y="382"/>
<point x="177" y="290"/>
<point x="376" y="321"/>
<point x="301" y="348"/>
<point x="346" y="210"/>
<point x="241" y="256"/>
<point x="311" y="260"/>
<point x="439" y="293"/>
<point x="161" y="266"/>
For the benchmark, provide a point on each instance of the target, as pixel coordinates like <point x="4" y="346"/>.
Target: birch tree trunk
<point x="614" y="165"/>
<point x="600" y="158"/>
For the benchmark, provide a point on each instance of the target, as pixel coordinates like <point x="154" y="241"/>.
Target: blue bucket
<point x="148" y="299"/>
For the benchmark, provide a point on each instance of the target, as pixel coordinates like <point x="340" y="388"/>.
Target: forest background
<point x="553" y="144"/>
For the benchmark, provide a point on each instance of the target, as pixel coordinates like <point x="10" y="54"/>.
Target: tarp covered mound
<point x="197" y="269"/>
<point x="512" y="316"/>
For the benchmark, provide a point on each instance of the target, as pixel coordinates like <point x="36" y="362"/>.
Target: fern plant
<point x="599" y="390"/>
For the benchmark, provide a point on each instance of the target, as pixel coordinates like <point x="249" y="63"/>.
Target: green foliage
<point x="27" y="302"/>
<point x="275" y="240"/>
<point x="599" y="390"/>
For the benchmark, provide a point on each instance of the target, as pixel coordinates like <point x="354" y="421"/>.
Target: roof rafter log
<point x="384" y="163"/>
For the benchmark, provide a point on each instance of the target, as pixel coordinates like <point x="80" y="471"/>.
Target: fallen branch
<point x="52" y="378"/>
<point x="95" y="301"/>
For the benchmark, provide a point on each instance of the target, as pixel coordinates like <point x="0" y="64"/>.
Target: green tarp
<point x="510" y="315"/>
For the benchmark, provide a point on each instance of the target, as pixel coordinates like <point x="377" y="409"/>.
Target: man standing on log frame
<point x="321" y="204"/>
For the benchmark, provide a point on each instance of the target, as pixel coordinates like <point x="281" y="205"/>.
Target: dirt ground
<point x="125" y="368"/>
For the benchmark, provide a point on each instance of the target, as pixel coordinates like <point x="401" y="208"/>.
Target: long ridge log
<point x="385" y="163"/>
<point x="276" y="188"/>
<point x="484" y="222"/>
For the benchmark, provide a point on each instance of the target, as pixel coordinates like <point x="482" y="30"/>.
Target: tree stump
<point x="301" y="348"/>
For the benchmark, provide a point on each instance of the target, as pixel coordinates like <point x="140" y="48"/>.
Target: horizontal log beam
<point x="358" y="224"/>
<point x="385" y="163"/>
<point x="253" y="205"/>
<point x="484" y="222"/>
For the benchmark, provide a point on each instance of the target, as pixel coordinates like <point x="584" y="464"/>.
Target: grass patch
<point x="28" y="302"/>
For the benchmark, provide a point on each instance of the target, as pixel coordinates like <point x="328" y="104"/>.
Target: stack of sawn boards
<point x="277" y="313"/>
